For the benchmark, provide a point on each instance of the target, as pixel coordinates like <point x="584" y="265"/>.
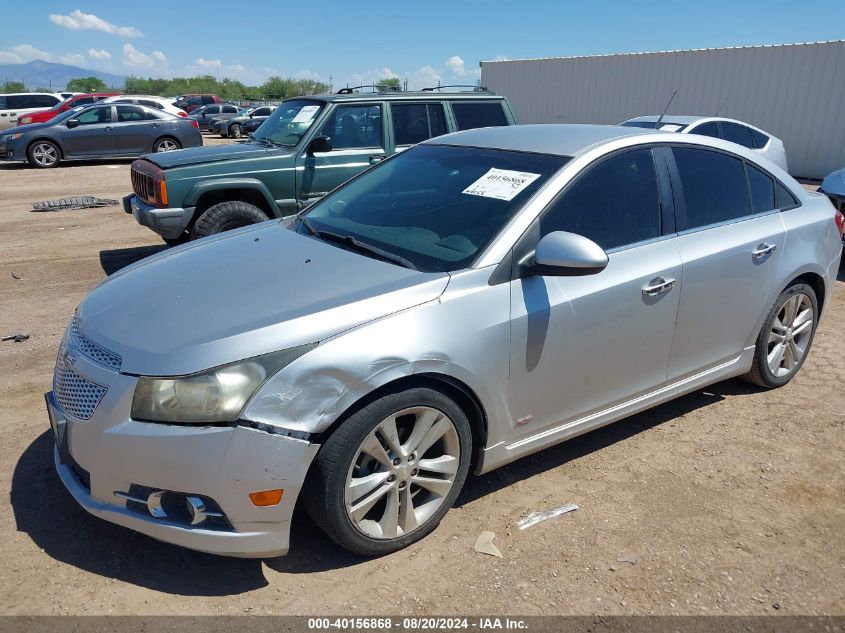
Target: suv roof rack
<point x="474" y="87"/>
<point x="376" y="88"/>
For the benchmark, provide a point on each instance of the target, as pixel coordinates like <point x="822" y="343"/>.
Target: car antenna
<point x="657" y="125"/>
<point x="721" y="106"/>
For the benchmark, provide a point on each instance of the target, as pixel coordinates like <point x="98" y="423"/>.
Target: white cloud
<point x="456" y="65"/>
<point x="307" y="74"/>
<point x="158" y="55"/>
<point x="24" y="53"/>
<point x="78" y="21"/>
<point x="102" y="54"/>
<point x="72" y="59"/>
<point x="425" y="77"/>
<point x="367" y="78"/>
<point x="135" y="58"/>
<point x="216" y="66"/>
<point x="207" y="64"/>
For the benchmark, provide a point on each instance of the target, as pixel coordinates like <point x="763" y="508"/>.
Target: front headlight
<point x="215" y="395"/>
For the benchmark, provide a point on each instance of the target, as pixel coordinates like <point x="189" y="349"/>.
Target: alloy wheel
<point x="166" y="145"/>
<point x="402" y="472"/>
<point x="45" y="154"/>
<point x="790" y="335"/>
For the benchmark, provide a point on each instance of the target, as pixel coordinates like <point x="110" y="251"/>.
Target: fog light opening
<point x="266" y="497"/>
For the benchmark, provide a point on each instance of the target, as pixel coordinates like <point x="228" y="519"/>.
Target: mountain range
<point x="41" y="74"/>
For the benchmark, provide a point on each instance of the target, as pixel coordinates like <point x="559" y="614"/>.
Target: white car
<point x="718" y="127"/>
<point x="160" y="103"/>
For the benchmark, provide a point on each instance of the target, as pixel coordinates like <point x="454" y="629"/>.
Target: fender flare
<point x="218" y="184"/>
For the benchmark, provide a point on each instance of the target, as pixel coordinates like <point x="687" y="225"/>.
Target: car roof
<point x="550" y="138"/>
<point x="428" y="95"/>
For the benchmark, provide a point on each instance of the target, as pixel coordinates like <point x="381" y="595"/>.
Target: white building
<point x="794" y="91"/>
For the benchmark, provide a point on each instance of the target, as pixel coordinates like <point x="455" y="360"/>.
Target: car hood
<point x="30" y="127"/>
<point x="241" y="294"/>
<point x="209" y="154"/>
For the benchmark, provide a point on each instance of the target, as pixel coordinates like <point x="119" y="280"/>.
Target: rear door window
<point x="470" y="115"/>
<point x="736" y="133"/>
<point x="762" y="190"/>
<point x="615" y="203"/>
<point x="126" y="114"/>
<point x="417" y="122"/>
<point x="212" y="110"/>
<point x="714" y="186"/>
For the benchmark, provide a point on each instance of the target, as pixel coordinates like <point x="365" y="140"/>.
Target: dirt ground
<point x="726" y="501"/>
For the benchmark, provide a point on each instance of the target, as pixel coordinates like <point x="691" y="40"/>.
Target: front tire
<point x="387" y="476"/>
<point x="235" y="131"/>
<point x="43" y="154"/>
<point x="226" y="216"/>
<point x="785" y="338"/>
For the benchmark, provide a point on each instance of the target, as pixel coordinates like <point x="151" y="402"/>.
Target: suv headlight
<point x="214" y="395"/>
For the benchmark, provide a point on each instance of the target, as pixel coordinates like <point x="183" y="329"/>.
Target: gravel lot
<point x="729" y="500"/>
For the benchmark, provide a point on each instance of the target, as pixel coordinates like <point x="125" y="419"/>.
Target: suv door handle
<point x="376" y="159"/>
<point x="763" y="250"/>
<point x="658" y="286"/>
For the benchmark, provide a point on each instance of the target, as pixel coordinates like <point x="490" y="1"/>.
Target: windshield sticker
<point x="670" y="127"/>
<point x="306" y="114"/>
<point x="502" y="184"/>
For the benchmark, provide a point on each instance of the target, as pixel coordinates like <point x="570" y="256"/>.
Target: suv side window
<point x="714" y="186"/>
<point x="95" y="115"/>
<point x="736" y="133"/>
<point x="20" y="102"/>
<point x="470" y="115"/>
<point x="212" y="110"/>
<point x="230" y="110"/>
<point x="46" y="101"/>
<point x="615" y="203"/>
<point x="203" y="100"/>
<point x="710" y="128"/>
<point x="354" y="126"/>
<point x="417" y="122"/>
<point x="762" y="190"/>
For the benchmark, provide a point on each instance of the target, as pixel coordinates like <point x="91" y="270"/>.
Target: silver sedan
<point x="474" y="299"/>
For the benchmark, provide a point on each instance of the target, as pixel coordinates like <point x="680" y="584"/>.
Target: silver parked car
<point x="474" y="299"/>
<point x="718" y="127"/>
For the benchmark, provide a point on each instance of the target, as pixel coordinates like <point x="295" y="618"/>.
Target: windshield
<point x="289" y="122"/>
<point x="435" y="206"/>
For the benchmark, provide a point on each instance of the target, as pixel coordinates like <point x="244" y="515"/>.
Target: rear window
<point x="707" y="129"/>
<point x="758" y="138"/>
<point x="714" y="184"/>
<point x="417" y="122"/>
<point x="470" y="115"/>
<point x="736" y="133"/>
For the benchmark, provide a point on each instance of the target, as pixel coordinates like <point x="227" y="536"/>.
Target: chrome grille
<point x="77" y="396"/>
<point x="91" y="350"/>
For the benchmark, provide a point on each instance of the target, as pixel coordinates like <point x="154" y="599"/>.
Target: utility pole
<point x="331" y="83"/>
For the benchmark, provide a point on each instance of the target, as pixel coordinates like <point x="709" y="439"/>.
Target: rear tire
<point x="226" y="216"/>
<point x="43" y="154"/>
<point x="166" y="144"/>
<point x="785" y="338"/>
<point x="373" y="495"/>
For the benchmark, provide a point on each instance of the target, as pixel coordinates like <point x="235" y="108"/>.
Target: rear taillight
<point x="195" y="123"/>
<point x="840" y="222"/>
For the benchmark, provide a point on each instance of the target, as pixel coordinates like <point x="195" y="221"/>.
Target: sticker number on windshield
<point x="306" y="114"/>
<point x="502" y="184"/>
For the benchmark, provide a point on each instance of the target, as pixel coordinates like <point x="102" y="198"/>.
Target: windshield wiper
<point x="356" y="244"/>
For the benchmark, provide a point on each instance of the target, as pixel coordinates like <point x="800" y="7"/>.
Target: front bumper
<point x="109" y="457"/>
<point x="169" y="222"/>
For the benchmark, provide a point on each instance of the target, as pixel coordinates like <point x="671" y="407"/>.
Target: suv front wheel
<point x="226" y="216"/>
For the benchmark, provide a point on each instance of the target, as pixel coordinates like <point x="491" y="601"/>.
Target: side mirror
<point x="320" y="144"/>
<point x="72" y="123"/>
<point x="567" y="254"/>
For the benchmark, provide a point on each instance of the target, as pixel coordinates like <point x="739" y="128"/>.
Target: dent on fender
<point x="315" y="399"/>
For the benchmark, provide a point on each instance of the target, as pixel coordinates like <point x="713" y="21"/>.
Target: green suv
<point x="309" y="146"/>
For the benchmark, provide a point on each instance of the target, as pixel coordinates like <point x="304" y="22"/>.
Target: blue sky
<point x="357" y="42"/>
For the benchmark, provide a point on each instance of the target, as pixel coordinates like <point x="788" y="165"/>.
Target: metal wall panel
<point x="794" y="91"/>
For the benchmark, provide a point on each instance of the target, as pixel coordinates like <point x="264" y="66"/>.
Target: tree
<point x="12" y="86"/>
<point x="389" y="83"/>
<point x="86" y="84"/>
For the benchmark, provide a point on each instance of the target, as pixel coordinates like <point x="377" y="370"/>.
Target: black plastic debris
<point x="76" y="202"/>
<point x="17" y="338"/>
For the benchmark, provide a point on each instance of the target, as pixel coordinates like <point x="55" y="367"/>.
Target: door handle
<point x="763" y="250"/>
<point x="376" y="159"/>
<point x="658" y="286"/>
<point x="108" y="128"/>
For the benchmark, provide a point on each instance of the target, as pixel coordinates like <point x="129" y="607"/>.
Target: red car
<point x="43" y="116"/>
<point x="191" y="102"/>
